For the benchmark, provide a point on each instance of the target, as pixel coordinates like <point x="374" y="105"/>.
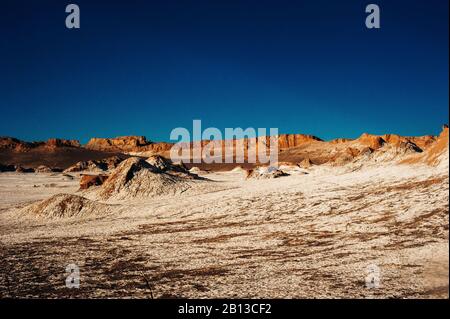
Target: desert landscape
<point x="138" y="225"/>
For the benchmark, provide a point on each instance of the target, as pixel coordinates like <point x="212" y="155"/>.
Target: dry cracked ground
<point x="307" y="235"/>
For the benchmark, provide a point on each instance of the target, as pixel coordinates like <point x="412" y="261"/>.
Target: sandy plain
<point x="317" y="233"/>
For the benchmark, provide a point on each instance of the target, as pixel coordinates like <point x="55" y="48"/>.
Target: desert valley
<point x="139" y="225"/>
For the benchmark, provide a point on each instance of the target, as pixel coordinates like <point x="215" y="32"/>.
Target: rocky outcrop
<point x="88" y="181"/>
<point x="265" y="173"/>
<point x="85" y="166"/>
<point x="340" y="140"/>
<point x="294" y="140"/>
<point x="160" y="147"/>
<point x="423" y="141"/>
<point x="293" y="148"/>
<point x="352" y="151"/>
<point x="16" y="145"/>
<point x="106" y="164"/>
<point x="136" y="178"/>
<point x="435" y="155"/>
<point x="141" y="144"/>
<point x="65" y="206"/>
<point x="43" y="169"/>
<point x="373" y="141"/>
<point x="10" y="143"/>
<point x="438" y="153"/>
<point x="306" y="163"/>
<point x="126" y="144"/>
<point x="416" y="144"/>
<point x="165" y="165"/>
<point x="160" y="162"/>
<point x="20" y="169"/>
<point x="56" y="142"/>
<point x="122" y="143"/>
<point x="403" y="142"/>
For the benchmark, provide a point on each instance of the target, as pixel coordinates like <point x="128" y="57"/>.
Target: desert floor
<point x="313" y="235"/>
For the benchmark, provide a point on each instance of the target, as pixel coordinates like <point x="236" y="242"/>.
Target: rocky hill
<point x="293" y="148"/>
<point x="54" y="153"/>
<point x="126" y="144"/>
<point x="14" y="144"/>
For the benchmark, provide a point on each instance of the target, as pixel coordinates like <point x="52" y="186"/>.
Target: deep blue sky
<point x="146" y="67"/>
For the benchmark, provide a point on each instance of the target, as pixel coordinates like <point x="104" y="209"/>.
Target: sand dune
<point x="65" y="206"/>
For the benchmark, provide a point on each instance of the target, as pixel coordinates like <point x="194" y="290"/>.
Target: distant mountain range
<point x="63" y="153"/>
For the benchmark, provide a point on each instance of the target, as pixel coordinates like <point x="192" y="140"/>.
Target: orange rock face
<point x="87" y="181"/>
<point x="372" y="141"/>
<point x="141" y="144"/>
<point x="375" y="142"/>
<point x="353" y="152"/>
<point x="292" y="148"/>
<point x="394" y="139"/>
<point x="437" y="149"/>
<point x="13" y="143"/>
<point x="123" y="143"/>
<point x="159" y="147"/>
<point x="423" y="141"/>
<point x="17" y="145"/>
<point x="56" y="142"/>
<point x="434" y="153"/>
<point x="294" y="140"/>
<point x="126" y="144"/>
<point x="340" y="140"/>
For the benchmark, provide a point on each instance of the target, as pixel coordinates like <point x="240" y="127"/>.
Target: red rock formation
<point x="126" y="144"/>
<point x="87" y="181"/>
<point x="353" y="152"/>
<point x="11" y="143"/>
<point x="393" y="139"/>
<point x="56" y="142"/>
<point x="160" y="147"/>
<point x="423" y="141"/>
<point x="434" y="153"/>
<point x="122" y="143"/>
<point x="294" y="140"/>
<point x="293" y="148"/>
<point x="141" y="144"/>
<point x="16" y="145"/>
<point x="372" y="141"/>
<point x="340" y="140"/>
<point x="414" y="143"/>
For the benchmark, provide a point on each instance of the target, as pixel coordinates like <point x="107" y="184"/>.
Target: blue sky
<point x="145" y="67"/>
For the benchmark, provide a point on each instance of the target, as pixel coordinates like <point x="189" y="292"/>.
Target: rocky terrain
<point x="136" y="178"/>
<point x="127" y="144"/>
<point x="55" y="153"/>
<point x="315" y="227"/>
<point x="295" y="148"/>
<point x="16" y="145"/>
<point x="105" y="164"/>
